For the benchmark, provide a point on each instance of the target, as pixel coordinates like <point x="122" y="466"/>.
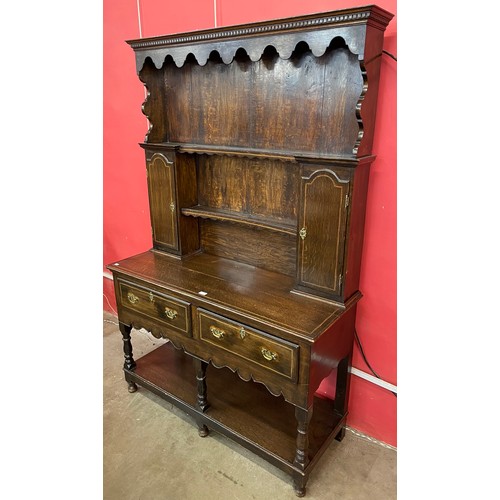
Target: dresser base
<point x="238" y="409"/>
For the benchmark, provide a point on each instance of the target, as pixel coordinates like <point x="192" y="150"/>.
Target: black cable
<point x="363" y="354"/>
<point x="358" y="342"/>
<point x="390" y="55"/>
<point x="380" y="55"/>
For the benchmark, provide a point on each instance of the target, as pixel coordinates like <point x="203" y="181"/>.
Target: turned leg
<point x="201" y="398"/>
<point x="302" y="448"/>
<point x="299" y="485"/>
<point x="341" y="434"/>
<point x="129" y="363"/>
<point x="342" y="391"/>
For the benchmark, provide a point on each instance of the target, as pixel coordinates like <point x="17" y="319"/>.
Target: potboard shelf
<point x="170" y="375"/>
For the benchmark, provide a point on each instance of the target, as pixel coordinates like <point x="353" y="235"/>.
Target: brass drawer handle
<point x="133" y="299"/>
<point x="243" y="334"/>
<point x="217" y="332"/>
<point x="269" y="355"/>
<point x="170" y="313"/>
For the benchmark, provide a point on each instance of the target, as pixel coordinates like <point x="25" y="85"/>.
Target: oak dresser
<point x="257" y="161"/>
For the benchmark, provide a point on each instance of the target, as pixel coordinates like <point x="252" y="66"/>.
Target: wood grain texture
<point x="201" y="375"/>
<point x="129" y="363"/>
<point x="234" y="104"/>
<point x="323" y="220"/>
<point x="239" y="345"/>
<point x="162" y="201"/>
<point x="154" y="104"/>
<point x="169" y="310"/>
<point x="274" y="251"/>
<point x="252" y="295"/>
<point x="317" y="30"/>
<point x="331" y="348"/>
<point x="293" y="391"/>
<point x="185" y="171"/>
<point x="257" y="159"/>
<point x="229" y="397"/>
<point x="260" y="188"/>
<point x="255" y="221"/>
<point x="289" y="155"/>
<point x="356" y="228"/>
<point x="368" y="103"/>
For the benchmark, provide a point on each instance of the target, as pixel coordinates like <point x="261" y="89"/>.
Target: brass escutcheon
<point x="170" y="313"/>
<point x="243" y="334"/>
<point x="303" y="233"/>
<point x="172" y="206"/>
<point x="133" y="299"/>
<point x="269" y="355"/>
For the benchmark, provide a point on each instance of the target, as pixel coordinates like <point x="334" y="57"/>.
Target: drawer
<point x="168" y="310"/>
<point x="249" y="344"/>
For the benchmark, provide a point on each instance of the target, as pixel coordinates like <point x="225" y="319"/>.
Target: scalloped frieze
<point x="158" y="333"/>
<point x="285" y="43"/>
<point x="247" y="375"/>
<point x="243" y="373"/>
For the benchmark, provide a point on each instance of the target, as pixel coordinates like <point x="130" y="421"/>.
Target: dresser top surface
<point x="248" y="291"/>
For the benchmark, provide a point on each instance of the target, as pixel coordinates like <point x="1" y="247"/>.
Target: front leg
<point x="201" y="396"/>
<point x="302" y="448"/>
<point x="299" y="484"/>
<point x="129" y="363"/>
<point x="342" y="391"/>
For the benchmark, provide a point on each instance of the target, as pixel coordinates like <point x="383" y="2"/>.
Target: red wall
<point x="125" y="206"/>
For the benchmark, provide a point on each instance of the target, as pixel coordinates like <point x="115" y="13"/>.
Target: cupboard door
<point x="322" y="230"/>
<point x="162" y="203"/>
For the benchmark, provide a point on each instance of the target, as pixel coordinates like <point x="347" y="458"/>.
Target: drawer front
<point x="269" y="352"/>
<point x="170" y="311"/>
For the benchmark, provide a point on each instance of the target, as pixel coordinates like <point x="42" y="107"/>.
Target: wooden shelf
<point x="287" y="227"/>
<point x="257" y="153"/>
<point x="237" y="408"/>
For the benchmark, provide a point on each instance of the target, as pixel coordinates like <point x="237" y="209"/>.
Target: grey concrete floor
<point x="152" y="450"/>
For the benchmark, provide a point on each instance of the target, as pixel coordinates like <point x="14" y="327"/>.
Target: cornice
<point x="371" y="14"/>
<point x="317" y="30"/>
